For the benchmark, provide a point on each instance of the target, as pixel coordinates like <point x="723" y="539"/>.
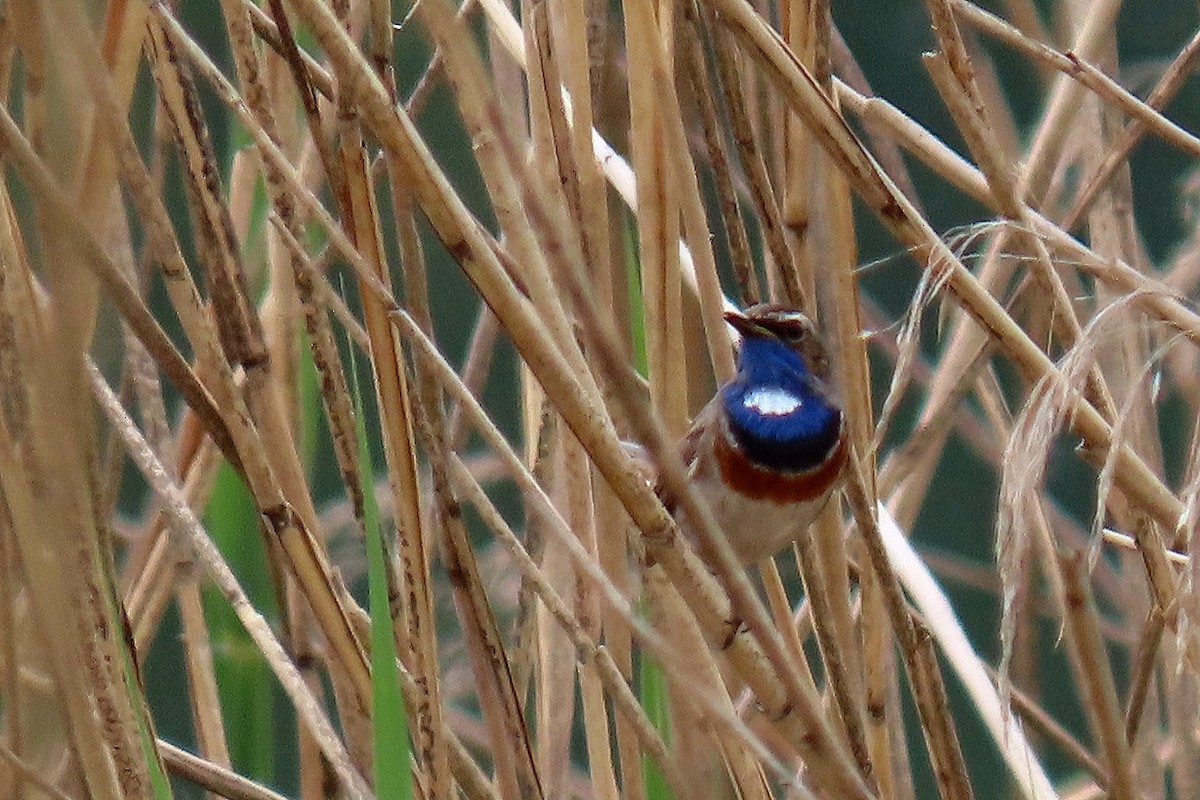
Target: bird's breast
<point x="785" y="427"/>
<point x="759" y="482"/>
<point x="761" y="509"/>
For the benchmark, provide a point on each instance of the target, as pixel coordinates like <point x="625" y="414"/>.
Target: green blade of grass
<point x="244" y="681"/>
<point x="393" y="778"/>
<point x="653" y="690"/>
<point x="159" y="783"/>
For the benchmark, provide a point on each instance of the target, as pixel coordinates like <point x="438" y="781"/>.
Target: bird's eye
<point x="793" y="334"/>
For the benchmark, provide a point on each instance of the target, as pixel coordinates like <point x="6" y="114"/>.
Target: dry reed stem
<point x="694" y="62"/>
<point x="557" y="146"/>
<point x="1075" y="65"/>
<point x="211" y="738"/>
<point x="658" y="188"/>
<point x="770" y="216"/>
<point x="361" y="218"/>
<point x="56" y="539"/>
<point x="1163" y="304"/>
<point x="1095" y="677"/>
<point x="1144" y="655"/>
<point x="1171" y="82"/>
<point x="833" y="254"/>
<point x="148" y="582"/>
<point x="465" y="770"/>
<point x="929" y="692"/>
<point x="1045" y="725"/>
<point x="215" y="777"/>
<point x="205" y="552"/>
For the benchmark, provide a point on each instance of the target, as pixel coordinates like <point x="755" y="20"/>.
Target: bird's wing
<point x="699" y="436"/>
<point x="697" y="440"/>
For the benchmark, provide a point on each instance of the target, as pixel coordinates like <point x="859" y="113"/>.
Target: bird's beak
<point x="741" y="323"/>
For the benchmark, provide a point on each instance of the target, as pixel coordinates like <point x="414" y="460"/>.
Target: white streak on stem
<point x="928" y="596"/>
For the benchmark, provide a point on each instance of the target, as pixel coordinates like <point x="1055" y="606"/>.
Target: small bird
<point x="769" y="449"/>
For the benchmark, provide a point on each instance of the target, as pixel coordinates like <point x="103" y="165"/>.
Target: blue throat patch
<point x="775" y="411"/>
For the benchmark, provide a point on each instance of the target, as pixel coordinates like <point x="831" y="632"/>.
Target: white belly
<point x="756" y="529"/>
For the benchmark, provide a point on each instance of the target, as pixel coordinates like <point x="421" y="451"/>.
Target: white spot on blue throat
<point x="772" y="401"/>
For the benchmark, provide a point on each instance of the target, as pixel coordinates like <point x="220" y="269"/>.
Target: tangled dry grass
<point x="205" y="218"/>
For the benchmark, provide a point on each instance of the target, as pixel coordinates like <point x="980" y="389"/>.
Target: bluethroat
<point x="769" y="449"/>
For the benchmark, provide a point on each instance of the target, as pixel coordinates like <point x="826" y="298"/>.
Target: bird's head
<point x="779" y="408"/>
<point x="771" y="328"/>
